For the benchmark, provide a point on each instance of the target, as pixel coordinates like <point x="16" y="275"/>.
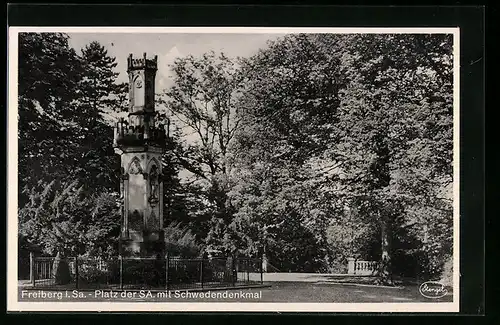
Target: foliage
<point x="361" y="127"/>
<point x="203" y="101"/>
<point x="317" y="148"/>
<point x="348" y="236"/>
<point x="66" y="218"/>
<point x="151" y="273"/>
<point x="180" y="241"/>
<point x="91" y="272"/>
<point x="397" y="115"/>
<point x="62" y="133"/>
<point x="49" y="73"/>
<point x="289" y="109"/>
<point x="66" y="161"/>
<point x="447" y="274"/>
<point x="99" y="97"/>
<point x="184" y="273"/>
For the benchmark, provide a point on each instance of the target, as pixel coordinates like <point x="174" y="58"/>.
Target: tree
<point x="203" y="103"/>
<point x="289" y="114"/>
<point x="364" y="123"/>
<point x="49" y="73"/>
<point x="98" y="87"/>
<point x="397" y="114"/>
<point x="100" y="97"/>
<point x="67" y="204"/>
<point x="292" y="96"/>
<point x="65" y="218"/>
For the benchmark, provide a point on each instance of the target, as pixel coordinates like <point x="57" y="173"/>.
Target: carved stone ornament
<point x="135" y="167"/>
<point x="152" y="220"/>
<point x="153" y="186"/>
<point x="153" y="200"/>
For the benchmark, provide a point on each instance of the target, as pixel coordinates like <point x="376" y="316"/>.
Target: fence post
<point x="32" y="268"/>
<point x="262" y="269"/>
<point x="76" y="272"/>
<point x="248" y="270"/>
<point x="120" y="259"/>
<point x="351" y="267"/>
<point x="201" y="272"/>
<point x="167" y="266"/>
<point x="233" y="271"/>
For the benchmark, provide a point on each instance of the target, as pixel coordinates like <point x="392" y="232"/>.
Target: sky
<point x="169" y="46"/>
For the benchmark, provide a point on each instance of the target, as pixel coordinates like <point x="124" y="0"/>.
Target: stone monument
<point x="140" y="144"/>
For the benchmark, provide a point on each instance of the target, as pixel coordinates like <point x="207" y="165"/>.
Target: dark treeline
<point x="318" y="148"/>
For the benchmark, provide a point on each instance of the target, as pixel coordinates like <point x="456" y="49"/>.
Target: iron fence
<point x="52" y="272"/>
<point x="23" y="268"/>
<point x="171" y="273"/>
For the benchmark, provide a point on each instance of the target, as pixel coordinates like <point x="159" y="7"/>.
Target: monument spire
<point x="140" y="144"/>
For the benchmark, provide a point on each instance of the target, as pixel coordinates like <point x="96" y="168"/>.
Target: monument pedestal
<point x="141" y="144"/>
<point x="143" y="244"/>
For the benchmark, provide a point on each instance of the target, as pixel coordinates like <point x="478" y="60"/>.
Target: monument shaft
<point x="140" y="144"/>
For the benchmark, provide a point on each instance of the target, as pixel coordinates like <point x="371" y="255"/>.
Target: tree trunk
<point x="385" y="271"/>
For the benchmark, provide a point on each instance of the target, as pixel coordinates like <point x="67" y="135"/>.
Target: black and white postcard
<point x="233" y="169"/>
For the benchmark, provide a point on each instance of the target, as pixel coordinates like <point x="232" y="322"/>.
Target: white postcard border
<point x="12" y="189"/>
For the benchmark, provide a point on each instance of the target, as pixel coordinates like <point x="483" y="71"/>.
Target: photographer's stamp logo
<point x="432" y="289"/>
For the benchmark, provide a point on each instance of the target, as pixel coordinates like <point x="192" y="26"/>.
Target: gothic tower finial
<point x="141" y="144"/>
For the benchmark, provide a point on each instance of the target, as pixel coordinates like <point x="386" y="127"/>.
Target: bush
<point x="61" y="272"/>
<point x="337" y="265"/>
<point x="151" y="273"/>
<point x="180" y="241"/>
<point x="447" y="274"/>
<point x="209" y="275"/>
<point x="407" y="265"/>
<point x="184" y="273"/>
<point x="90" y="273"/>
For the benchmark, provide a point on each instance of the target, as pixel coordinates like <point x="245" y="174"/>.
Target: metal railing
<point x="169" y="273"/>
